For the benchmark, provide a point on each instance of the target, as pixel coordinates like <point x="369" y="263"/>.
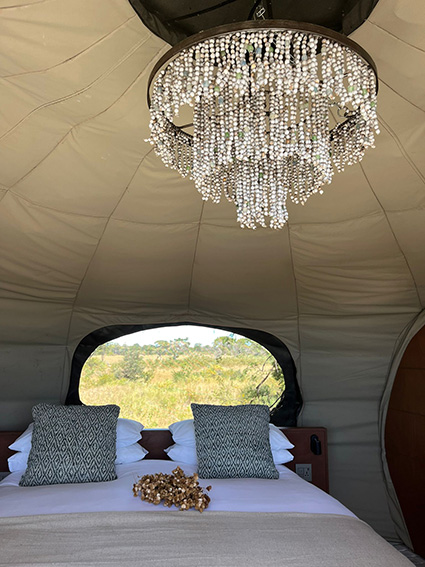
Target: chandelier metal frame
<point x="259" y="25"/>
<point x="251" y="209"/>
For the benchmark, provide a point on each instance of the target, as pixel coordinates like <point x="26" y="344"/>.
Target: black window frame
<point x="286" y="411"/>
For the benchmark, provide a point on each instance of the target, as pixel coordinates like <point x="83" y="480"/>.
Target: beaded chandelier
<point x="277" y="107"/>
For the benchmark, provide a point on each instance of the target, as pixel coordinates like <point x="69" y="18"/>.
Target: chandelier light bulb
<point x="277" y="107"/>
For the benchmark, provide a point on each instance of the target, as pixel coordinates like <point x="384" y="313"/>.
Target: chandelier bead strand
<point x="264" y="104"/>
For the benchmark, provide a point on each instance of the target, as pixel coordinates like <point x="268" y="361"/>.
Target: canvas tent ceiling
<point x="95" y="231"/>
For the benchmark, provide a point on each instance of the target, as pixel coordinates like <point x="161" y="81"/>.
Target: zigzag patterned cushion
<point x="233" y="441"/>
<point x="72" y="444"/>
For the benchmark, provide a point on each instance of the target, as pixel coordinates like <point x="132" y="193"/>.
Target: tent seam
<point x="187" y="223"/>
<point x="87" y="87"/>
<point x="72" y="57"/>
<point x="184" y="223"/>
<point x="178" y="315"/>
<point x="393" y="233"/>
<point x="401" y="96"/>
<point x="26" y="296"/>
<point x="194" y="258"/>
<point x="402" y="149"/>
<point x="237" y="317"/>
<point x="53" y="209"/>
<point x="396" y="37"/>
<point x="237" y="227"/>
<point x="87" y="120"/>
<point x="17" y="6"/>
<point x="99" y="241"/>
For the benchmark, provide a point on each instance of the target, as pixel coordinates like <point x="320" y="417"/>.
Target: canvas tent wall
<point x="95" y="231"/>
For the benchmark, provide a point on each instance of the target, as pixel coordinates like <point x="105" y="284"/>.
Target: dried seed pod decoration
<point x="175" y="489"/>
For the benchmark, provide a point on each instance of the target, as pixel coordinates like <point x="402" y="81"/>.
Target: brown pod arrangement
<point x="175" y="489"/>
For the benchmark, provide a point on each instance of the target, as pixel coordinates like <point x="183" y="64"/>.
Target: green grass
<point x="165" y="386"/>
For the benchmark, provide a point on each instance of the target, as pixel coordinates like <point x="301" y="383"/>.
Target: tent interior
<point x="95" y="232"/>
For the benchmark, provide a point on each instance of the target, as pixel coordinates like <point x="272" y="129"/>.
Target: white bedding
<point x="287" y="494"/>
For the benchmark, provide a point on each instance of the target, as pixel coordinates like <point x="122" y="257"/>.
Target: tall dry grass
<point x="164" y="395"/>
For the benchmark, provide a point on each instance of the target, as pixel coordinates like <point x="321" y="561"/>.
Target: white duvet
<point x="287" y="494"/>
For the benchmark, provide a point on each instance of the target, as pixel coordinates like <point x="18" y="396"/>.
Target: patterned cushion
<point x="72" y="444"/>
<point x="233" y="441"/>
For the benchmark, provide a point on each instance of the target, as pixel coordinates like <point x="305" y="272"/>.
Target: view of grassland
<point x="156" y="384"/>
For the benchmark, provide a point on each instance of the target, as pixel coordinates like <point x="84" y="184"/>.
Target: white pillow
<point x="183" y="433"/>
<point x="23" y="442"/>
<point x="282" y="456"/>
<point x="278" y="439"/>
<point x="182" y="453"/>
<point x="128" y="432"/>
<point x="187" y="454"/>
<point x="18" y="461"/>
<point x="129" y="454"/>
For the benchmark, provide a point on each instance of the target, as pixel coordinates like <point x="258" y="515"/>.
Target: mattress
<point x="289" y="493"/>
<point x="285" y="522"/>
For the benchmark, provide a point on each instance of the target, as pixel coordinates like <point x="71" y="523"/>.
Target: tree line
<point x="222" y="346"/>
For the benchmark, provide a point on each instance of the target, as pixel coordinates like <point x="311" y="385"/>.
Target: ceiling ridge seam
<point x="243" y="322"/>
<point x="351" y="219"/>
<point x="395" y="211"/>
<point x="86" y="120"/>
<point x="237" y="228"/>
<point x="402" y="148"/>
<point x="189" y="223"/>
<point x="53" y="209"/>
<point x="394" y="236"/>
<point x="194" y="258"/>
<point x="99" y="241"/>
<point x="72" y="57"/>
<point x="401" y="96"/>
<point x="395" y="36"/>
<point x="21" y="296"/>
<point x="78" y="92"/>
<point x="17" y="6"/>
<point x="145" y="223"/>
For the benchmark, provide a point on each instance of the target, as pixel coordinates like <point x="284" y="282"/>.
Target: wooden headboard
<point x="307" y="441"/>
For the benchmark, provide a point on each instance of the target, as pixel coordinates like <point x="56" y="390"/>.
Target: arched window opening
<point x="155" y="378"/>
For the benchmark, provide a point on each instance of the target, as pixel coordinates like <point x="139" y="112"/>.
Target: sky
<point x="203" y="335"/>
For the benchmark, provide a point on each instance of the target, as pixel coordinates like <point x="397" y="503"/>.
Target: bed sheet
<point x="289" y="493"/>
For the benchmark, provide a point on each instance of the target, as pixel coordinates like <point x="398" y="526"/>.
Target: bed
<point x="250" y="522"/>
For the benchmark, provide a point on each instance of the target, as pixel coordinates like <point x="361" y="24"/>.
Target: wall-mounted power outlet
<point x="304" y="471"/>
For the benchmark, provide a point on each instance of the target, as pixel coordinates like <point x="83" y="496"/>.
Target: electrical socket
<point x="304" y="471"/>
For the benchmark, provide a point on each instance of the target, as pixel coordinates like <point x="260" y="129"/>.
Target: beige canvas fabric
<point x="95" y="231"/>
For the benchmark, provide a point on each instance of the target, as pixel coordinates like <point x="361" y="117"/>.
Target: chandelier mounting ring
<point x="278" y="25"/>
